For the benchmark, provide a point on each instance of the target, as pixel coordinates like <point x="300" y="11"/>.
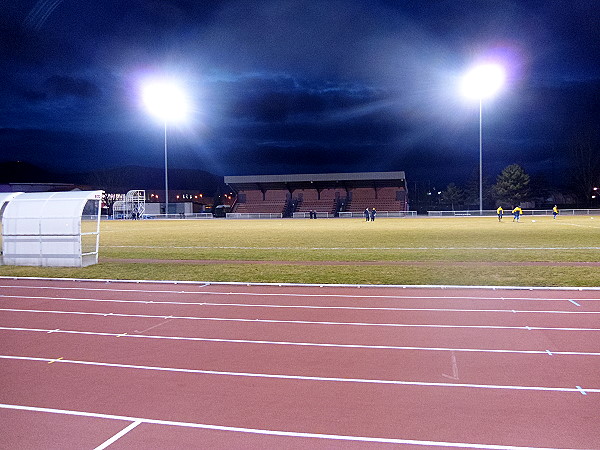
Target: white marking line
<point x="351" y="248"/>
<point x="309" y="344"/>
<point x="454" y="368"/>
<point x="119" y="435"/>
<point x="301" y="377"/>
<point x="574" y="302"/>
<point x="150" y="328"/>
<point x="272" y="432"/>
<point x="267" y="294"/>
<point x="300" y="322"/>
<point x="259" y="305"/>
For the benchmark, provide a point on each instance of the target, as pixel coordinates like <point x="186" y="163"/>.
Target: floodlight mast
<point x="482" y="82"/>
<point x="166" y="101"/>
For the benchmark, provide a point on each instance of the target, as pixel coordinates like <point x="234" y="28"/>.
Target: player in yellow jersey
<point x="517" y="213"/>
<point x="555" y="211"/>
<point x="499" y="211"/>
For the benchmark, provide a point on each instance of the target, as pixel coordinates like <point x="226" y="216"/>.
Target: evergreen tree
<point x="512" y="185"/>
<point x="453" y="195"/>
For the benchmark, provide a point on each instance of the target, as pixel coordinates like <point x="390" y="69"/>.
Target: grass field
<point x="539" y="251"/>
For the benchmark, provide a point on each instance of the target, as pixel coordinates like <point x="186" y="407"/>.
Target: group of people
<point x="517" y="211"/>
<point x="370" y="215"/>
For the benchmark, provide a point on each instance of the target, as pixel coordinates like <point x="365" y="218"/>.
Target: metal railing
<point x="254" y="215"/>
<point x="526" y="212"/>
<point x="394" y="214"/>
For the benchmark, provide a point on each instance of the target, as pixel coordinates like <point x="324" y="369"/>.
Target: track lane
<point x="507" y="418"/>
<point x="528" y="418"/>
<point x="545" y="370"/>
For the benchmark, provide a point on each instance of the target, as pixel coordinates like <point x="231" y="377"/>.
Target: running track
<point x="92" y="364"/>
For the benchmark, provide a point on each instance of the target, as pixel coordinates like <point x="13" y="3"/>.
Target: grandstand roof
<point x="305" y="181"/>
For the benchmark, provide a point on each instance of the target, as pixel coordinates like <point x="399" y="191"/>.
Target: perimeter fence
<point x="526" y="212"/>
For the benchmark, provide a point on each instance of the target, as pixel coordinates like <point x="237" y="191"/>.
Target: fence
<point x="380" y="214"/>
<point x="526" y="212"/>
<point x="254" y="215"/>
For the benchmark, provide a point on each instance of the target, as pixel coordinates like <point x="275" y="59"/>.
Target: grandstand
<point x="327" y="194"/>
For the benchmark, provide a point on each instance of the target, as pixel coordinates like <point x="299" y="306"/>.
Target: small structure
<point x="133" y="207"/>
<point x="56" y="229"/>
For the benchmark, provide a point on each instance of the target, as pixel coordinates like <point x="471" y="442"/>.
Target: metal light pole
<point x="166" y="176"/>
<point x="166" y="101"/>
<point x="482" y="82"/>
<point x="480" y="158"/>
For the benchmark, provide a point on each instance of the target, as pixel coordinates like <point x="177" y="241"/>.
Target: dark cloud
<point x="283" y="86"/>
<point x="73" y="87"/>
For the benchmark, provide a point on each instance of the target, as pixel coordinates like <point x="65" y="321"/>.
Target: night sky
<point x="298" y="86"/>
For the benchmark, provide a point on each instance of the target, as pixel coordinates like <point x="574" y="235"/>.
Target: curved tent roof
<point x="44" y="228"/>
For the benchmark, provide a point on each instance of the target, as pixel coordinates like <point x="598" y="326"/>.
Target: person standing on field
<point x="499" y="211"/>
<point x="367" y="214"/>
<point x="373" y="213"/>
<point x="555" y="211"/>
<point x="517" y="213"/>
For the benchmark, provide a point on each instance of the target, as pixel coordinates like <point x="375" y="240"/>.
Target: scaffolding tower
<point x="133" y="207"/>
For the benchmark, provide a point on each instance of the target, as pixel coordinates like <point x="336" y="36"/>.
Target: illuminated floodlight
<point x="483" y="81"/>
<point x="165" y="100"/>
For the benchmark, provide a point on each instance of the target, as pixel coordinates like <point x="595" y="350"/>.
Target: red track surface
<point x="237" y="366"/>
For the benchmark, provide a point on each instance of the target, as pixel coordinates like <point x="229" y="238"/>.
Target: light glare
<point x="165" y="100"/>
<point x="483" y="81"/>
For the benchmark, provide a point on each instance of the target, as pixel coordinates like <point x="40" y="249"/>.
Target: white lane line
<point x="302" y="377"/>
<point x="274" y="432"/>
<point x="581" y="390"/>
<point x="119" y="435"/>
<point x="357" y="248"/>
<point x="259" y="305"/>
<point x="306" y="344"/>
<point x="299" y="322"/>
<point x="271" y="294"/>
<point x="574" y="302"/>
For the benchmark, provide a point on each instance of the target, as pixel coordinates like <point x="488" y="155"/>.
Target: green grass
<point x="399" y="251"/>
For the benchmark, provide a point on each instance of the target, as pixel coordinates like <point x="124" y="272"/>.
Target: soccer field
<point x="538" y="251"/>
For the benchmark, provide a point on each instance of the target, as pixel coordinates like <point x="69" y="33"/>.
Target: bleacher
<point x="327" y="194"/>
<point x="313" y="200"/>
<point x="384" y="199"/>
<point x="273" y="202"/>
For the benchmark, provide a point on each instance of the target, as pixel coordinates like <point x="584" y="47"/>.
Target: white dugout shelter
<point x="56" y="229"/>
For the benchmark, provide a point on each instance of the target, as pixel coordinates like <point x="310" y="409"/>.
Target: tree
<point x="512" y="185"/>
<point x="585" y="160"/>
<point x="452" y="195"/>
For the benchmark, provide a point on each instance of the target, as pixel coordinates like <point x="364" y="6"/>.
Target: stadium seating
<point x="273" y="202"/>
<point x="384" y="199"/>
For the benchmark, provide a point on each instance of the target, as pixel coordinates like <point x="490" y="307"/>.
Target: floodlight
<point x="165" y="100"/>
<point x="483" y="81"/>
<point x="479" y="83"/>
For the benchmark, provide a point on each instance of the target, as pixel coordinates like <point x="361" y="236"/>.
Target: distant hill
<point x="118" y="179"/>
<point x="23" y="172"/>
